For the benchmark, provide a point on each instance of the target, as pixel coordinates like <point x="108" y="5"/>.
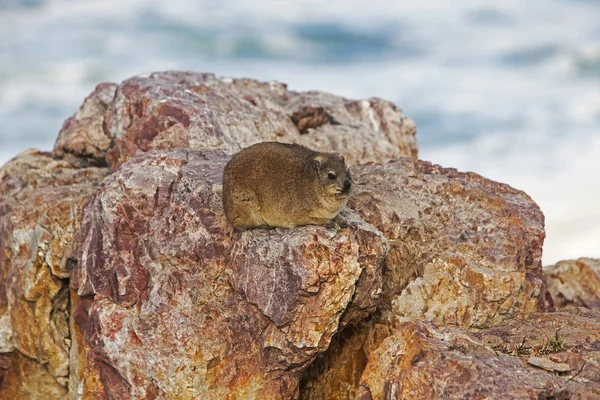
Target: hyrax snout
<point x="284" y="185"/>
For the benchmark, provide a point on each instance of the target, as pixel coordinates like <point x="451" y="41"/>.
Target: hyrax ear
<point x="316" y="163"/>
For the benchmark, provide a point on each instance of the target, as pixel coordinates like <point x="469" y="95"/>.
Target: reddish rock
<point x="172" y="303"/>
<point x="575" y="283"/>
<point x="40" y="197"/>
<point x="82" y="134"/>
<point x="177" y="109"/>
<point x="464" y="250"/>
<point x="167" y="301"/>
<point x="421" y="361"/>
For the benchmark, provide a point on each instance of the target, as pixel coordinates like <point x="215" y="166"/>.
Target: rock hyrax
<point x="284" y="185"/>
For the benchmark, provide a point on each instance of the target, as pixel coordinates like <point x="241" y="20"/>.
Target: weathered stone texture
<point x="200" y="111"/>
<point x="82" y="135"/>
<point x="336" y="374"/>
<point x="40" y="199"/>
<point x="184" y="307"/>
<point x="23" y="378"/>
<point x="464" y="250"/>
<point x="421" y="361"/>
<point x="434" y="289"/>
<point x="575" y="283"/>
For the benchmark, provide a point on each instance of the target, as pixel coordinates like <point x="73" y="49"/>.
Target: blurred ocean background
<point x="508" y="89"/>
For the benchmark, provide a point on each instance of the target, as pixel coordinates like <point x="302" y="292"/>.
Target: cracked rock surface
<point x="184" y="109"/>
<point x="40" y="203"/>
<point x="464" y="250"/>
<point x="120" y="277"/>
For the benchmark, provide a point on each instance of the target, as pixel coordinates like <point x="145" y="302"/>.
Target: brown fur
<point x="283" y="185"/>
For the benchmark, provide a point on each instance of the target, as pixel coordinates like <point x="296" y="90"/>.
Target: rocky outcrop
<point x="174" y="304"/>
<point x="39" y="210"/>
<point x="200" y="111"/>
<point x="133" y="285"/>
<point x="536" y="356"/>
<point x="575" y="283"/>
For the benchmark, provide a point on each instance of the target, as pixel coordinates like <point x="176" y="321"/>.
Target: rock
<point x="170" y="302"/>
<point x="82" y="134"/>
<point x="548" y="365"/>
<point x="24" y="378"/>
<point x="422" y="361"/>
<point x="464" y="250"/>
<point x="177" y="109"/>
<point x="575" y="283"/>
<point x="40" y="197"/>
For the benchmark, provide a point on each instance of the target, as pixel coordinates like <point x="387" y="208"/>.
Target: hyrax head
<point x="333" y="174"/>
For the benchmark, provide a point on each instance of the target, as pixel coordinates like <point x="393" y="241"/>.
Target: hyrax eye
<point x="331" y="176"/>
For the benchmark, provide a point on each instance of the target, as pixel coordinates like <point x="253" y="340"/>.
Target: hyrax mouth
<point x="342" y="193"/>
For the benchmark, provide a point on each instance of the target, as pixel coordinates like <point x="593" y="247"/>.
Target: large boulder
<point x="464" y="250"/>
<point x="173" y="304"/>
<point x="40" y="200"/>
<point x="200" y="111"/>
<point x="42" y="195"/>
<point x="575" y="283"/>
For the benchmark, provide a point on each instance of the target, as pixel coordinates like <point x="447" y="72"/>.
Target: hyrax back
<point x="283" y="185"/>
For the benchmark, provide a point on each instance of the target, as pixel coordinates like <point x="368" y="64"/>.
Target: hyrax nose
<point x="347" y="185"/>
